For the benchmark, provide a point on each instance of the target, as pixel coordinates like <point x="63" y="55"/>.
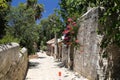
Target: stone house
<point x="51" y="48"/>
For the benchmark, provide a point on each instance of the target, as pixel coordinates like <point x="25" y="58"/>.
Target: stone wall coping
<point x="4" y="47"/>
<point x="23" y="50"/>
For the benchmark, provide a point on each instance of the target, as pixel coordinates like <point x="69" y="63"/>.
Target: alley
<point x="47" y="68"/>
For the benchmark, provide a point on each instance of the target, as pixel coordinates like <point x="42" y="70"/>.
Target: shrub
<point x="8" y="39"/>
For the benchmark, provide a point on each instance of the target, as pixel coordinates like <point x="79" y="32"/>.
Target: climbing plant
<point x="111" y="22"/>
<point x="70" y="33"/>
<point x="110" y="19"/>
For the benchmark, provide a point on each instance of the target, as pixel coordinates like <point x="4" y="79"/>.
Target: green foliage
<point x="28" y="38"/>
<point x="8" y="39"/>
<point x="20" y="19"/>
<point x="37" y="8"/>
<point x="4" y="10"/>
<point x="4" y="5"/>
<point x="111" y="22"/>
<point x="49" y="27"/>
<point x="21" y="22"/>
<point x="55" y="22"/>
<point x="43" y="46"/>
<point x="74" y="8"/>
<point x="110" y="19"/>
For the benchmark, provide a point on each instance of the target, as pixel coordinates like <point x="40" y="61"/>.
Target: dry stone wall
<point x="13" y="62"/>
<point x="114" y="61"/>
<point x="86" y="57"/>
<point x="64" y="55"/>
<point x="110" y="68"/>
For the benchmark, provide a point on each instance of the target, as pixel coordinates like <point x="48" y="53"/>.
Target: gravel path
<point x="46" y="68"/>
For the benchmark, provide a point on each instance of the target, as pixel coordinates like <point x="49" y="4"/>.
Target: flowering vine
<point x="70" y="33"/>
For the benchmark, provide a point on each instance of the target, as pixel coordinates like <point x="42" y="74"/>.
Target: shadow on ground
<point x="41" y="57"/>
<point x="33" y="64"/>
<point x="60" y="64"/>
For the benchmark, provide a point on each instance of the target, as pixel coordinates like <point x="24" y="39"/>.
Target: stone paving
<point x="47" y="68"/>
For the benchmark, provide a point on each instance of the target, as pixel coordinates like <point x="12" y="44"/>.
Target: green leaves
<point x="71" y="8"/>
<point x="111" y="19"/>
<point x="37" y="8"/>
<point x="4" y="10"/>
<point x="3" y="5"/>
<point x="21" y="21"/>
<point x="49" y="27"/>
<point x="8" y="39"/>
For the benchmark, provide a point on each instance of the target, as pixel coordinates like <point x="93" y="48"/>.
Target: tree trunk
<point x="56" y="46"/>
<point x="68" y="57"/>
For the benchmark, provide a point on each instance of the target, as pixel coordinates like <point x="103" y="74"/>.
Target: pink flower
<point x="66" y="31"/>
<point x="74" y="24"/>
<point x="76" y="41"/>
<point x="69" y="19"/>
<point x="68" y="26"/>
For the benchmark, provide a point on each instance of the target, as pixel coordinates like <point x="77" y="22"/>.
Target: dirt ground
<point x="43" y="67"/>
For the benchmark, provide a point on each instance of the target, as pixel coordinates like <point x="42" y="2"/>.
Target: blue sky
<point x="49" y="5"/>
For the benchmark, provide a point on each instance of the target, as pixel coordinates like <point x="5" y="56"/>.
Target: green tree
<point x="73" y="8"/>
<point x="4" y="10"/>
<point x="38" y="8"/>
<point x="49" y="27"/>
<point x="22" y="20"/>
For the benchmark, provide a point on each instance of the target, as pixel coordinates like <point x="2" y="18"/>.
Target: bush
<point x="8" y="39"/>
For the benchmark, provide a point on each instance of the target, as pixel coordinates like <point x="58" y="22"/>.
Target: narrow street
<point x="47" y="68"/>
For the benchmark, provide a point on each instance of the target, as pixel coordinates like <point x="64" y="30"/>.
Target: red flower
<point x="76" y="41"/>
<point x="66" y="31"/>
<point x="69" y="20"/>
<point x="68" y="26"/>
<point x="74" y="24"/>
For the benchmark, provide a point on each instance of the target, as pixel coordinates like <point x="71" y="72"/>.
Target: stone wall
<point x="65" y="55"/>
<point x="13" y="62"/>
<point x="110" y="68"/>
<point x="86" y="57"/>
<point x="113" y="62"/>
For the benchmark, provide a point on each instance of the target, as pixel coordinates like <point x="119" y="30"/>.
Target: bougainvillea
<point x="70" y="33"/>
